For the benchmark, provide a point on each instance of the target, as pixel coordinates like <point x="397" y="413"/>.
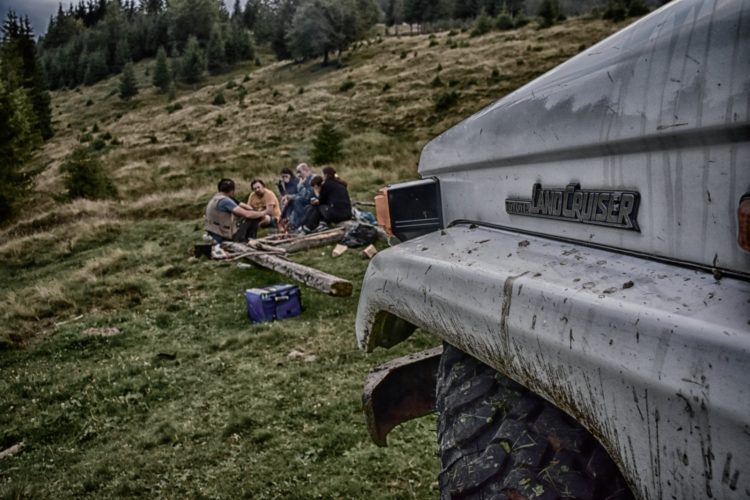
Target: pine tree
<point x="216" y="54"/>
<point x="18" y="139"/>
<point x="251" y="14"/>
<point x="549" y="11"/>
<point x="122" y="55"/>
<point x="162" y="78"/>
<point x="84" y="177"/>
<point x="96" y="67"/>
<point x="193" y="62"/>
<point x="128" y="83"/>
<point x="22" y="68"/>
<point x="326" y="144"/>
<point x="483" y="24"/>
<point x="239" y="45"/>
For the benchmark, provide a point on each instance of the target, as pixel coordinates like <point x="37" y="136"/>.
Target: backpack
<point x="359" y="236"/>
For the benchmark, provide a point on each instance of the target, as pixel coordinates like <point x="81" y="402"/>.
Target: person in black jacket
<point x="332" y="204"/>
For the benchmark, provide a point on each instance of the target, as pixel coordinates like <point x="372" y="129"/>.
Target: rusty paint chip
<point x="628" y="284"/>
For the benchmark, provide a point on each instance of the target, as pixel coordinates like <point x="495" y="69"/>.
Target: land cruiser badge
<point x="590" y="206"/>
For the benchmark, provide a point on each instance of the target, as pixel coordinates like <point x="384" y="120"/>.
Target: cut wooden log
<point x="314" y="240"/>
<point x="257" y="245"/>
<point x="314" y="278"/>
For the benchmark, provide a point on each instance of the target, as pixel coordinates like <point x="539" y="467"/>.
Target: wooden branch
<point x="13" y="450"/>
<point x="326" y="283"/>
<point x="364" y="203"/>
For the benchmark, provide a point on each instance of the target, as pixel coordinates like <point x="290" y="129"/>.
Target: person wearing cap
<point x="227" y="219"/>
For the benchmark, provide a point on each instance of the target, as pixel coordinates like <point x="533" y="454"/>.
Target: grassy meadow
<point x="129" y="367"/>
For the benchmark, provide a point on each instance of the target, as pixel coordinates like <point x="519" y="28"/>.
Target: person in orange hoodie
<point x="265" y="202"/>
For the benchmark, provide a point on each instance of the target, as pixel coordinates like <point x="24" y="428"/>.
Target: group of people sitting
<point x="309" y="203"/>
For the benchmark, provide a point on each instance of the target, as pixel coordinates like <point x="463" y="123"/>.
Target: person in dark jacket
<point x="287" y="187"/>
<point x="332" y="203"/>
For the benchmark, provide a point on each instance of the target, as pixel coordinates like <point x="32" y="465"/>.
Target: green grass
<point x="189" y="398"/>
<point x="129" y="368"/>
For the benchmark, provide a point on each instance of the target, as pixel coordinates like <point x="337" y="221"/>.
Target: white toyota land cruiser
<point x="582" y="248"/>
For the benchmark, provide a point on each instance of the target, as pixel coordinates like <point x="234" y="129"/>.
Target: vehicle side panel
<point x="653" y="359"/>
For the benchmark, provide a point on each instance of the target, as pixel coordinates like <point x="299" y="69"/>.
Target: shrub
<point x="348" y="84"/>
<point x="84" y="177"/>
<point x="520" y="21"/>
<point x="95" y="128"/>
<point x="128" y="83"/>
<point x="436" y="82"/>
<point x="85" y="138"/>
<point x="231" y="84"/>
<point x="433" y="43"/>
<point x="386" y="87"/>
<point x="98" y="144"/>
<point x="106" y="136"/>
<point x="495" y="74"/>
<point x="174" y="107"/>
<point x="403" y="54"/>
<point x="162" y="76"/>
<point x="258" y="61"/>
<point x="504" y="21"/>
<point x="326" y="144"/>
<point x="219" y="99"/>
<point x="247" y="78"/>
<point x="289" y="108"/>
<point x="439" y="68"/>
<point x="301" y="90"/>
<point x="193" y="62"/>
<point x="220" y="119"/>
<point x="446" y="100"/>
<point x="549" y="12"/>
<point x="617" y="10"/>
<point x="89" y="102"/>
<point x="483" y="24"/>
<point x="637" y="8"/>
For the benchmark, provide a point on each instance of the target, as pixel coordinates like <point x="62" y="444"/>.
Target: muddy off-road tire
<point x="497" y="440"/>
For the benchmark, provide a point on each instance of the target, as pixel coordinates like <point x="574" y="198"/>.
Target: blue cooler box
<point x="273" y="302"/>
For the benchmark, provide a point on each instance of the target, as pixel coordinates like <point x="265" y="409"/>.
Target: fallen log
<point x="257" y="245"/>
<point x="314" y="240"/>
<point x="319" y="280"/>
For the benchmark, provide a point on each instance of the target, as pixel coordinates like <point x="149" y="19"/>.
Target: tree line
<point x="96" y="39"/>
<point x="25" y="116"/>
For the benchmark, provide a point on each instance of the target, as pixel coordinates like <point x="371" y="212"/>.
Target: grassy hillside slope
<point x="129" y="368"/>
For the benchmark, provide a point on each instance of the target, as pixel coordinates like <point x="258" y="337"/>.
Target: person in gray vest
<point x="228" y="219"/>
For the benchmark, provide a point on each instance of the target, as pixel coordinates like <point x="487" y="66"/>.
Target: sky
<point x="40" y="10"/>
